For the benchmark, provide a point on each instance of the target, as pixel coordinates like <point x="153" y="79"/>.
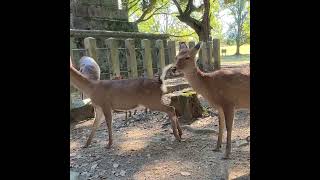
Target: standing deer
<point x="108" y="95"/>
<point x="225" y="89"/>
<point x="224" y="51"/>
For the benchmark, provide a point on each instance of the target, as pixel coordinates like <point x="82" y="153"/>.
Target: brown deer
<point x="226" y="89"/>
<point x="108" y="95"/>
<point x="135" y="111"/>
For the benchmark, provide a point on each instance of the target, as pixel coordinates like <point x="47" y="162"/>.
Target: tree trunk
<point x="206" y="20"/>
<point x="238" y="47"/>
<point x="238" y="39"/>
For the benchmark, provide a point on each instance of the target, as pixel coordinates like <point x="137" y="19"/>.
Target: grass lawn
<point x="231" y="59"/>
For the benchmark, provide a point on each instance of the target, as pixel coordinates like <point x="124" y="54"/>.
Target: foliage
<point x="239" y="30"/>
<point x="164" y="16"/>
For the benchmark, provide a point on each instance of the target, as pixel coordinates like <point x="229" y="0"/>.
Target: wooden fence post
<point x="113" y="57"/>
<point x="216" y="54"/>
<point x="171" y="51"/>
<point x="160" y="56"/>
<point x="131" y="58"/>
<point x="204" y="56"/>
<point x="147" y="58"/>
<point x="90" y="44"/>
<point x="72" y="46"/>
<point x="210" y="54"/>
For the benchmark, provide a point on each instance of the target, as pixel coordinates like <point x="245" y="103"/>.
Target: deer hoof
<point x="109" y="145"/>
<point x="227" y="157"/>
<point x="217" y="150"/>
<point x="86" y="146"/>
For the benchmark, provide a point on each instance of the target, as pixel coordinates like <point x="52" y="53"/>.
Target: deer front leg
<point x="229" y="116"/>
<point x="126" y="119"/>
<point x="175" y="125"/>
<point x="221" y="118"/>
<point x="172" y="116"/>
<point x="97" y="121"/>
<point x="108" y="116"/>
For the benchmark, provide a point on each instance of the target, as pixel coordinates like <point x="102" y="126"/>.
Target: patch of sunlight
<point x="203" y="123"/>
<point x="133" y="145"/>
<point x="238" y="172"/>
<point x="74" y="145"/>
<point x="84" y="124"/>
<point x="160" y="170"/>
<point x="135" y="138"/>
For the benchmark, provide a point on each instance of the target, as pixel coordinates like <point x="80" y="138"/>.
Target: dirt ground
<point x="145" y="149"/>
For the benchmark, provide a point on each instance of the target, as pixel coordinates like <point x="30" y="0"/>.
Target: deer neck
<point x="194" y="77"/>
<point x="80" y="82"/>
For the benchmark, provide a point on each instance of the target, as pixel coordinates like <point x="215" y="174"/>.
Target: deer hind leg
<point x="97" y="121"/>
<point x="229" y="116"/>
<point x="108" y="117"/>
<point x="173" y="118"/>
<point x="179" y="128"/>
<point x="221" y="128"/>
<point x="126" y="119"/>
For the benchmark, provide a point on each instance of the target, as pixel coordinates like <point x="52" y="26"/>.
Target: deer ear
<point x="182" y="45"/>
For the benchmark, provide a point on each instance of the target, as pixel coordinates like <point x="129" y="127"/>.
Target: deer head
<point x="185" y="59"/>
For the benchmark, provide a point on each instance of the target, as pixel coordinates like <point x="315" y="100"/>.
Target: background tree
<point x="189" y="17"/>
<point x="239" y="30"/>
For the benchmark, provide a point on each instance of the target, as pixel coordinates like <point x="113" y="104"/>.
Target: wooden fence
<point x="122" y="58"/>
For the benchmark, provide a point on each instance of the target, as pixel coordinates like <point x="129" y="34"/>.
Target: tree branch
<point x="181" y="35"/>
<point x="134" y="11"/>
<point x="142" y="17"/>
<point x="178" y="6"/>
<point x="133" y="5"/>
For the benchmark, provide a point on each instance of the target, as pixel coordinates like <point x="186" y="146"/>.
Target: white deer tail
<point x="163" y="75"/>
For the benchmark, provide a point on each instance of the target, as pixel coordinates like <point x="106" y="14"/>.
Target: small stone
<point x="248" y="138"/>
<point x="93" y="167"/>
<point x="73" y="154"/>
<point x="169" y="148"/>
<point x="116" y="174"/>
<point x="115" y="165"/>
<point x="241" y="143"/>
<point x="148" y="155"/>
<point x="163" y="139"/>
<point x="113" y="172"/>
<point x="74" y="175"/>
<point x="122" y="173"/>
<point x="185" y="173"/>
